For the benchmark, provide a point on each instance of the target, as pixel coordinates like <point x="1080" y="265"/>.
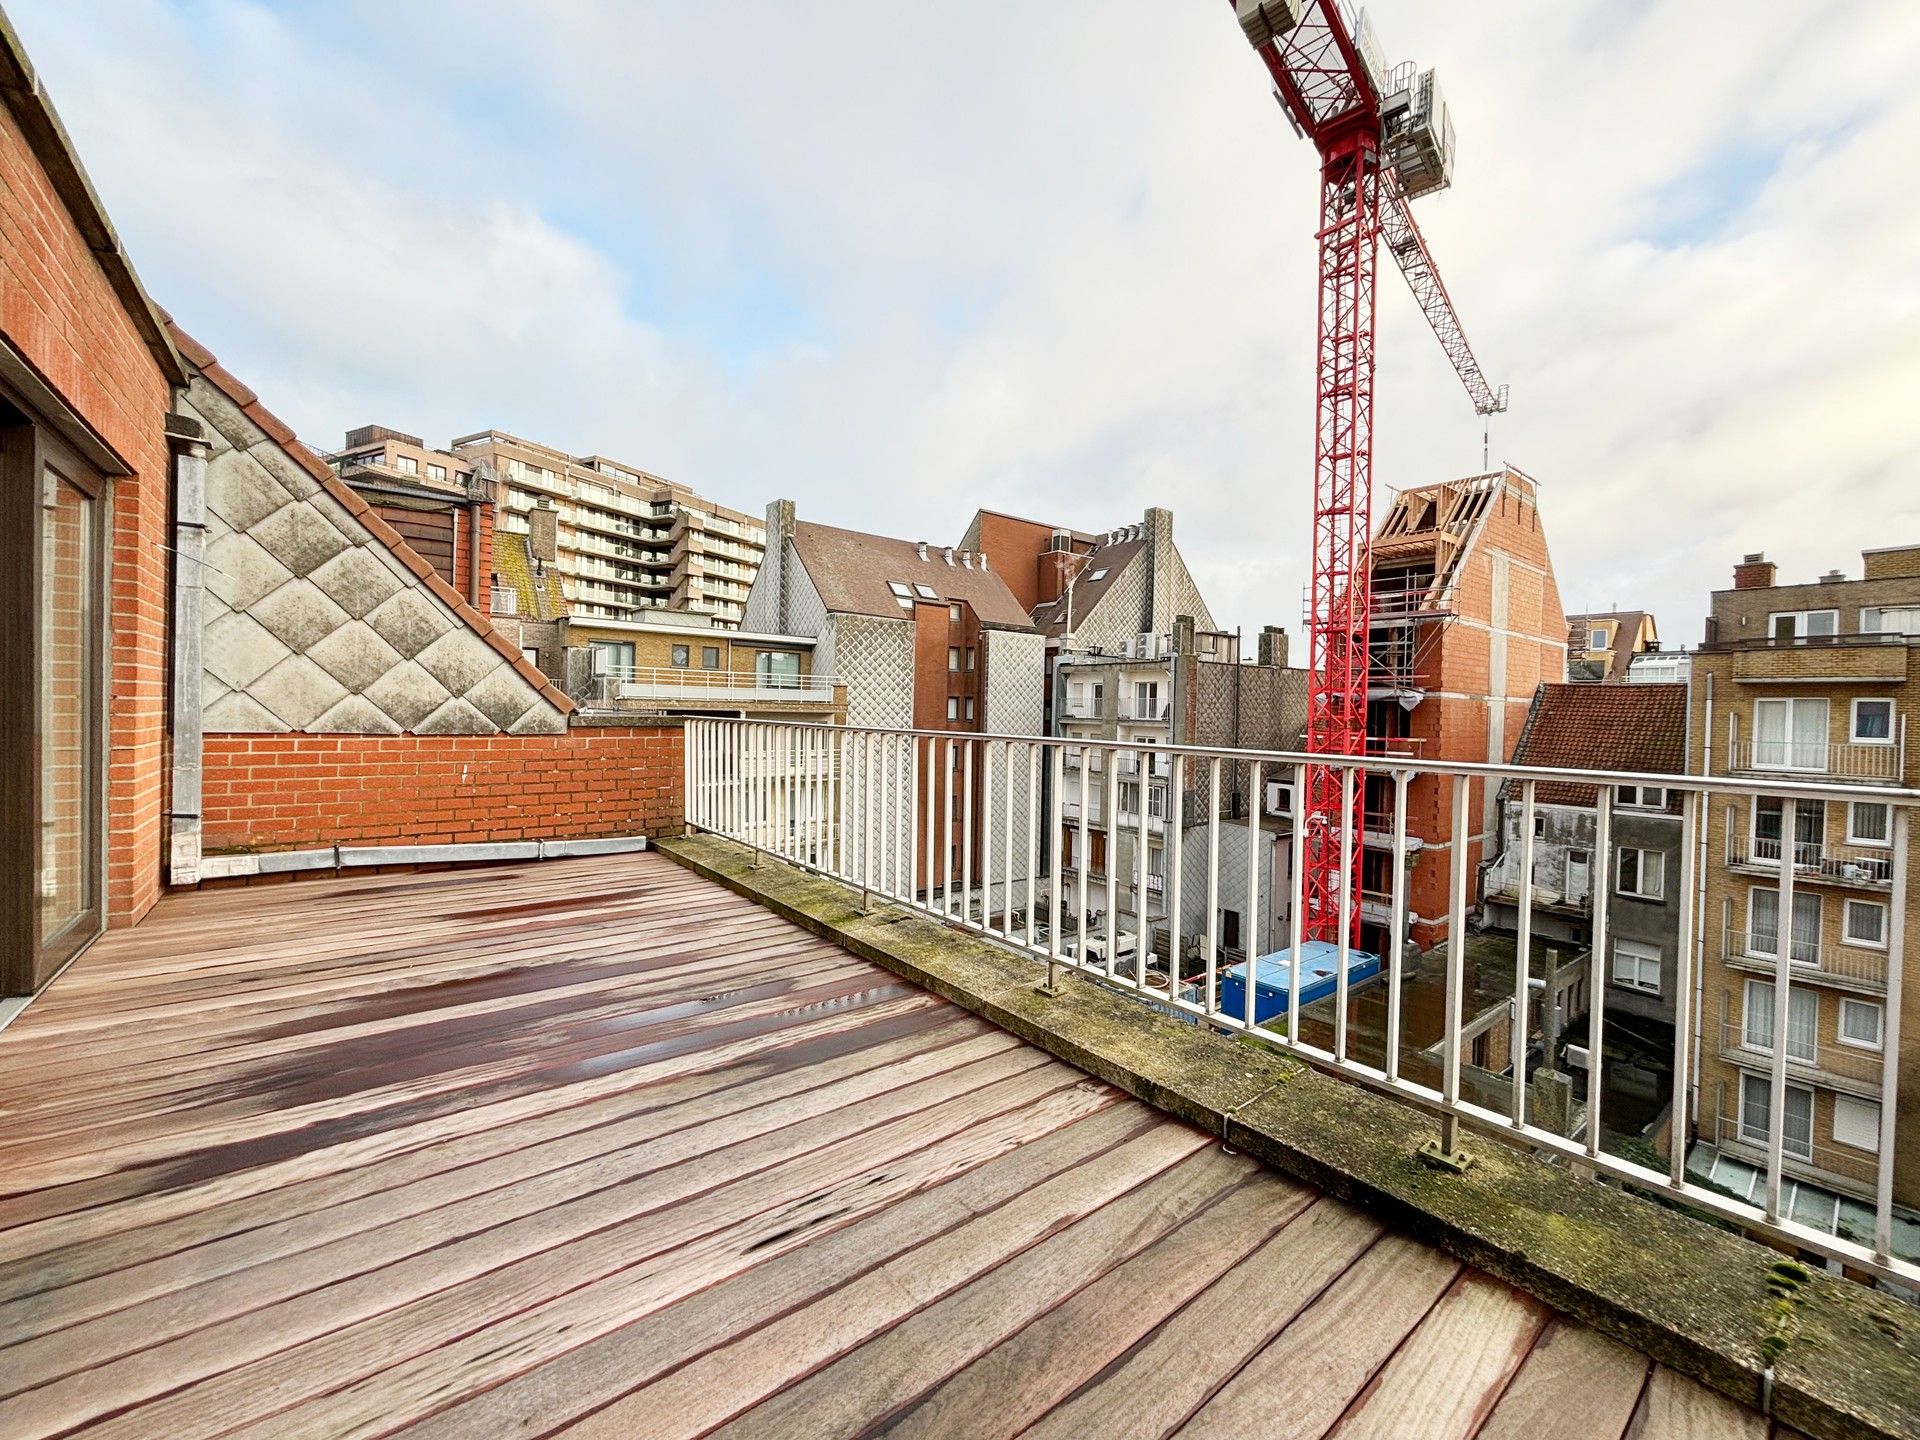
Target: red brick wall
<point x="296" y="792"/>
<point x="58" y="309"/>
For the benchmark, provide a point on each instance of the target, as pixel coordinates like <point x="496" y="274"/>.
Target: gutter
<point x="356" y="857"/>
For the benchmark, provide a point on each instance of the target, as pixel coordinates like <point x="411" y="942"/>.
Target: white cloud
<point x="896" y="261"/>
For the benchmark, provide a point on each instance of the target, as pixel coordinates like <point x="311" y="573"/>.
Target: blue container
<point x="1273" y="978"/>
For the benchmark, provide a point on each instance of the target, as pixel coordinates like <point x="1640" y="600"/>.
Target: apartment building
<point x="1602" y="646"/>
<point x="919" y="636"/>
<point x="1813" y="681"/>
<point x="627" y="541"/>
<point x="678" y="665"/>
<point x="432" y="498"/>
<point x="1466" y="625"/>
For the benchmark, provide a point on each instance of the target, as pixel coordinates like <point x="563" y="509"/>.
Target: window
<point x="925" y="592"/>
<point x="777" y="668"/>
<point x="953" y="658"/>
<point x="530" y="655"/>
<point x="1873" y="722"/>
<point x="1803" y="1014"/>
<point x="1856" y="1123"/>
<point x="899" y="588"/>
<point x="1157" y="801"/>
<point x="436" y="472"/>
<point x="1869" y="822"/>
<point x="1763" y="924"/>
<point x="1539" y="827"/>
<point x="1802" y="624"/>
<point x="1756" y="1098"/>
<point x="969" y="707"/>
<point x="953" y="614"/>
<point x="1596" y="639"/>
<point x="1636" y="966"/>
<point x="1129" y="797"/>
<point x="709" y="657"/>
<point x="1809" y="829"/>
<point x="612" y="657"/>
<point x="1865" y="924"/>
<point x="406" y="465"/>
<point x="1640" y="797"/>
<point x="1641" y="873"/>
<point x="970" y="657"/>
<point x="1860" y="1023"/>
<point x="953" y="707"/>
<point x="1097" y="576"/>
<point x="1890" y="620"/>
<point x="1230" y="929"/>
<point x="1790" y="734"/>
<point x="682" y="656"/>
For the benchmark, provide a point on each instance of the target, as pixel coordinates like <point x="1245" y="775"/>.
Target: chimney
<point x="949" y="554"/>
<point x="1898" y="562"/>
<point x="1273" y="645"/>
<point x="773" y="563"/>
<point x="923" y="549"/>
<point x="966" y="559"/>
<point x="983" y="559"/>
<point x="1832" y="577"/>
<point x="1158" y="600"/>
<point x="1755" y="572"/>
<point x="543" y="531"/>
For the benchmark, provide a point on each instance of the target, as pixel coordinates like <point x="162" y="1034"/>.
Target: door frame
<point x="30" y="449"/>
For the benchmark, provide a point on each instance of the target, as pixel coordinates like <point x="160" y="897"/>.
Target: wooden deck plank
<point x="1450" y="1373"/>
<point x="1153" y="1388"/>
<point x="1676" y="1408"/>
<point x="1337" y="1343"/>
<point x="1576" y="1385"/>
<point x="586" y="1143"/>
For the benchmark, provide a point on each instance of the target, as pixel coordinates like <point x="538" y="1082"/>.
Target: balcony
<point x="1856" y="867"/>
<point x="1849" y="761"/>
<point x="1836" y="1066"/>
<point x="1814" y="961"/>
<point x="1081" y="707"/>
<point x="1144" y="712"/>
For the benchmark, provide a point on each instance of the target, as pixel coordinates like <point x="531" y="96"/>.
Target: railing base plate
<point x="1441" y="1158"/>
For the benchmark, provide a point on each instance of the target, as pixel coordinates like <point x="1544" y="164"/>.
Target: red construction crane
<point x="1384" y="139"/>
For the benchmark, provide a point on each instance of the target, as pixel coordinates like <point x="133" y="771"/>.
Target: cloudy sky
<point x="898" y="260"/>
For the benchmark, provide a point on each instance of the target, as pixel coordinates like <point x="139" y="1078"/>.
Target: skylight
<point x="899" y="587"/>
<point x="1098" y="575"/>
<point x="926" y="592"/>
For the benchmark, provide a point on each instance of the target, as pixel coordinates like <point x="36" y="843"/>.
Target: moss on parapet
<point x="1703" y="1300"/>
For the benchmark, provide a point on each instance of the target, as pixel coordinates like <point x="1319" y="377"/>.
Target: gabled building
<point x="920" y="636"/>
<point x="1601" y="646"/>
<point x="1466" y="626"/>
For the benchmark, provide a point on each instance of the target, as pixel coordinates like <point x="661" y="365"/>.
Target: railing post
<point x="1782" y="991"/>
<point x="1523" y="956"/>
<point x="1397" y="939"/>
<point x="1033" y="832"/>
<point x="1055" y="836"/>
<point x="1296" y="904"/>
<point x="1250" y="928"/>
<point x="1344" y="951"/>
<point x="1170" y="891"/>
<point x="1447" y="1152"/>
<point x="1597" y="963"/>
<point x="1692" y="808"/>
<point x="1890" y="1037"/>
<point x="1111" y="821"/>
<point x="1210" y="1002"/>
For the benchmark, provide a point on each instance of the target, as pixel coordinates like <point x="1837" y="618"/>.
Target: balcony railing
<point x="1806" y="1059"/>
<point x="1840" y="760"/>
<point x="690" y="685"/>
<point x="1144" y="712"/>
<point x="869" y="809"/>
<point x="1867" y="869"/>
<point x="1812" y="958"/>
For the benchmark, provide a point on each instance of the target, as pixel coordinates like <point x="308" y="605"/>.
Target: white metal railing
<point x="1841" y="760"/>
<point x="1863" y="866"/>
<point x="631" y="682"/>
<point x="867" y="807"/>
<point x="1812" y="956"/>
<point x="1149" y="711"/>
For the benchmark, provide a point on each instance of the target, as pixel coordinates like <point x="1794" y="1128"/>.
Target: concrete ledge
<point x="1705" y="1301"/>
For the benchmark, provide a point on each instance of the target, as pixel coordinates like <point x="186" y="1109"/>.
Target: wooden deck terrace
<point x="597" y="1148"/>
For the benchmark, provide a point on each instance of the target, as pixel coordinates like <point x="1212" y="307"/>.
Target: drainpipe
<point x="473" y="548"/>
<point x="188" y="441"/>
<point x="1700" y="904"/>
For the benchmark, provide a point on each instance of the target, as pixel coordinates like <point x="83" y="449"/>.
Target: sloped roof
<point x="514" y="567"/>
<point x="1108" y="561"/>
<point x="850" y="570"/>
<point x="1636" y="729"/>
<point x="202" y="359"/>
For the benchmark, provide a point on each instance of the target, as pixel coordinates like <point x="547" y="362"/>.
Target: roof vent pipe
<point x="949" y="554"/>
<point x="923" y="549"/>
<point x="966" y="558"/>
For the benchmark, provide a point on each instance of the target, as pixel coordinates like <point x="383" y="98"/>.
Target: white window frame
<point x="953" y="707"/>
<point x="1640" y="797"/>
<point x="1846" y="923"/>
<point x="1791" y="746"/>
<point x="953" y="614"/>
<point x="1800" y="620"/>
<point x="1752" y="1084"/>
<point x="1871" y="1144"/>
<point x="1596" y="639"/>
<point x="1871" y="1007"/>
<point x="1877" y="625"/>
<point x="899" y="589"/>
<point x="1810" y="1030"/>
<point x="1855" y="837"/>
<point x="1853" y="720"/>
<point x="953" y="659"/>
<point x="1639" y="955"/>
<point x="1800" y="897"/>
<point x="1639" y="873"/>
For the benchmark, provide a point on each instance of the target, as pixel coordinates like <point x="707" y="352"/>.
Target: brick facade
<point x="296" y="792"/>
<point x="79" y="321"/>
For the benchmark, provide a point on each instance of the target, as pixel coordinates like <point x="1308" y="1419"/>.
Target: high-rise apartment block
<point x="625" y="542"/>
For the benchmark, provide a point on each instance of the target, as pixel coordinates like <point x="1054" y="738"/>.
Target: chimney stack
<point x="543" y="531"/>
<point x="1755" y="572"/>
<point x="949" y="555"/>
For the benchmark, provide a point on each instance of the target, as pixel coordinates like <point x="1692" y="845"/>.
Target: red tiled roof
<point x="1636" y="729"/>
<point x="282" y="435"/>
<point x="850" y="570"/>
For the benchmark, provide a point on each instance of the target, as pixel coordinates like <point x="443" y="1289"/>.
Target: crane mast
<point x="1383" y="139"/>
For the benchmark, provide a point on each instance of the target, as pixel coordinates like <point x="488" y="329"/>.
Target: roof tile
<point x="1635" y="729"/>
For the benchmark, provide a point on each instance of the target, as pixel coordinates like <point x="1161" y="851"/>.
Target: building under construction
<point x="1466" y="623"/>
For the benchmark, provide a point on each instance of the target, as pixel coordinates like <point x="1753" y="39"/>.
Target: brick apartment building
<point x="232" y="663"/>
<point x="920" y="636"/>
<point x="1602" y="646"/>
<point x="1814" y="681"/>
<point x="1467" y="624"/>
